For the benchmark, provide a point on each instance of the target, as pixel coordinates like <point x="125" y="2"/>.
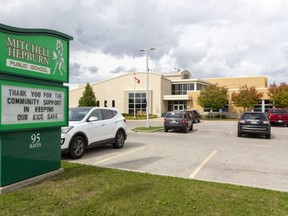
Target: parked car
<point x="91" y="126"/>
<point x="179" y="120"/>
<point x="195" y="115"/>
<point x="278" y="116"/>
<point x="254" y="123"/>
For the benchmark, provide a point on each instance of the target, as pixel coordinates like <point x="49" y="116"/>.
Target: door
<point x="95" y="130"/>
<point x="178" y="107"/>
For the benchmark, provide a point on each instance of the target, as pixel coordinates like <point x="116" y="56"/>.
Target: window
<point x="77" y="114"/>
<point x="174" y="115"/>
<point x="96" y="113"/>
<point x="140" y="103"/>
<point x="200" y="87"/>
<point x="267" y="105"/>
<point x="105" y="103"/>
<point x="186" y="76"/>
<point x="113" y="103"/>
<point x="191" y="86"/>
<point x="181" y="89"/>
<point x="107" y="114"/>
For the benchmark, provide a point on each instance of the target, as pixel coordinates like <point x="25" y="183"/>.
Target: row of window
<point x="267" y="105"/>
<point x="257" y="107"/>
<point x="103" y="114"/>
<point x="105" y="103"/>
<point x="181" y="89"/>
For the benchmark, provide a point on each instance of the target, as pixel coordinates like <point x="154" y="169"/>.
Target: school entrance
<point x="177" y="105"/>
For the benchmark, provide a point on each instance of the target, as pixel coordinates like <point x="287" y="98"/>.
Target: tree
<point x="279" y="94"/>
<point x="213" y="97"/>
<point x="246" y="97"/>
<point x="88" y="97"/>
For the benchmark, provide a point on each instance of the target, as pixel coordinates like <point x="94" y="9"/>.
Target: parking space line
<point x="120" y="155"/>
<point x="202" y="164"/>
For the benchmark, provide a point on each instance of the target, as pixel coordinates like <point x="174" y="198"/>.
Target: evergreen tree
<point x="213" y="97"/>
<point x="88" y="97"/>
<point x="246" y="97"/>
<point x="279" y="95"/>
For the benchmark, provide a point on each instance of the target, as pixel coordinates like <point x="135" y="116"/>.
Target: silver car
<point x="91" y="126"/>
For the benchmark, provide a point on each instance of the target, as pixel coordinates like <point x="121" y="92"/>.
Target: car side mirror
<point x="92" y="118"/>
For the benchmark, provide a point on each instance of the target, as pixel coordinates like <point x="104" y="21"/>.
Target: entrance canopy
<point x="176" y="97"/>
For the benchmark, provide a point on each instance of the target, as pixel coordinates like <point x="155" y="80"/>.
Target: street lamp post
<point x="147" y="85"/>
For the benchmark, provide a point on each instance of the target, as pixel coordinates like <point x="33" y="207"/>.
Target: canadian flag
<point x="136" y="80"/>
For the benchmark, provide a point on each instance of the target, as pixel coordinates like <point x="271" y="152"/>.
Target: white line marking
<point x="202" y="164"/>
<point x="120" y="155"/>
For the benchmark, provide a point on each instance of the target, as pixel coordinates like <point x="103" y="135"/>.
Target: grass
<point x="148" y="129"/>
<point x="138" y="117"/>
<point x="90" y="190"/>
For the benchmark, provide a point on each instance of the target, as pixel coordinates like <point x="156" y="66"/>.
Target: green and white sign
<point x="34" y="64"/>
<point x="26" y="105"/>
<point x="34" y="54"/>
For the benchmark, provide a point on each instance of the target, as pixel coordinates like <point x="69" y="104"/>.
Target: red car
<point x="278" y="116"/>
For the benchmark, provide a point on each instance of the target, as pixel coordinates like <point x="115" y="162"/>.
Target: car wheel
<point x="77" y="147"/>
<point x="191" y="128"/>
<point x="165" y="129"/>
<point x="119" y="140"/>
<point x="268" y="136"/>
<point x="239" y="134"/>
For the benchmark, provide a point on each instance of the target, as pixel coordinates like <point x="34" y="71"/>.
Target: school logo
<point x="58" y="56"/>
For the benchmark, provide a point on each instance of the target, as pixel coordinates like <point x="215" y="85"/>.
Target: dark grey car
<point x="254" y="123"/>
<point x="179" y="120"/>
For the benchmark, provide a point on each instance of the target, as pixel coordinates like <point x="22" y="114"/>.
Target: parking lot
<point x="211" y="152"/>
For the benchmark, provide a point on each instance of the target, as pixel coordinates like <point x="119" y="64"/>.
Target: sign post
<point x="34" y="64"/>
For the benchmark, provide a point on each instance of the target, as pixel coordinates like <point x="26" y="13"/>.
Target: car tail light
<point x="184" y="122"/>
<point x="266" y="122"/>
<point x="124" y="120"/>
<point x="164" y="120"/>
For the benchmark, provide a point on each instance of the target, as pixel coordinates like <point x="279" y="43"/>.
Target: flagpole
<point x="147" y="86"/>
<point x="134" y="98"/>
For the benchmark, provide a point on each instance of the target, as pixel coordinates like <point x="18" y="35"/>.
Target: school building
<point x="167" y="92"/>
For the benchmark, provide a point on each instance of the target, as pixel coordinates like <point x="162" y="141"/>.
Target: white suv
<point x="90" y="126"/>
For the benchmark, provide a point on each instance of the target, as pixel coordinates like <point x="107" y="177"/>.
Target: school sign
<point x="34" y="64"/>
<point x="32" y="54"/>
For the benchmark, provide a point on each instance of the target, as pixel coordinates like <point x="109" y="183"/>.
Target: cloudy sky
<point x="210" y="38"/>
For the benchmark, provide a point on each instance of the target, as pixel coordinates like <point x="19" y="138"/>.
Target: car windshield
<point x="77" y="114"/>
<point x="255" y="116"/>
<point x="278" y="111"/>
<point x="174" y="115"/>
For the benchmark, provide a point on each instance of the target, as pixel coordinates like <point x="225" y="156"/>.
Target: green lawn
<point x="90" y="190"/>
<point x="148" y="129"/>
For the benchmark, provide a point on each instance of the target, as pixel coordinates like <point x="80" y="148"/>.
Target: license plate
<point x="254" y="122"/>
<point x="280" y="121"/>
<point x="173" y="122"/>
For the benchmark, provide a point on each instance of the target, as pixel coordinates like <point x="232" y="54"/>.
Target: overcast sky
<point x="209" y="38"/>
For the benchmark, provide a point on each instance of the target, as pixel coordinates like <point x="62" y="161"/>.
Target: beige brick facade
<point x="165" y="91"/>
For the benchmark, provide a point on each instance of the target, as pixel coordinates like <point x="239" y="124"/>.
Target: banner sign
<point x="25" y="105"/>
<point x="44" y="56"/>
